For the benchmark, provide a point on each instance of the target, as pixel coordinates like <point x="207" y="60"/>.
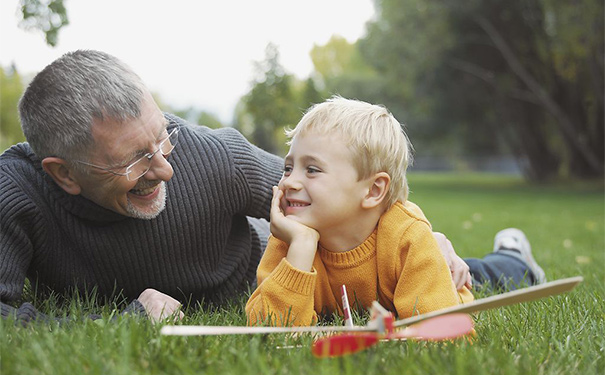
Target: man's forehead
<point x="120" y="140"/>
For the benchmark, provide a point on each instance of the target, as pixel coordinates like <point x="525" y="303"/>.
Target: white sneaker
<point x="515" y="240"/>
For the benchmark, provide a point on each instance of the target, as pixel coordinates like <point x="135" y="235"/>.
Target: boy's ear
<point x="60" y="172"/>
<point x="379" y="188"/>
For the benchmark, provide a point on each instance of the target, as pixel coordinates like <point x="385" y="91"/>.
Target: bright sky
<point x="196" y="53"/>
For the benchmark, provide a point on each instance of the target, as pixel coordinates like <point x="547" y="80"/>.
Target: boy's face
<point x="320" y="184"/>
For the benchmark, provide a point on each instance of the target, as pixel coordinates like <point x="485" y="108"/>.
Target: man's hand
<point x="160" y="306"/>
<point x="458" y="268"/>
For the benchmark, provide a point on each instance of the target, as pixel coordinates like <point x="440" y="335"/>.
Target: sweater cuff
<point x="135" y="308"/>
<point x="293" y="279"/>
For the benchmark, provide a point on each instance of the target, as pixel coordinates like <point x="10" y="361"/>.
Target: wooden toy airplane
<point x="443" y="324"/>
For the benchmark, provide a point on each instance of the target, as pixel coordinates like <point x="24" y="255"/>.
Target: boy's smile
<point x="293" y="206"/>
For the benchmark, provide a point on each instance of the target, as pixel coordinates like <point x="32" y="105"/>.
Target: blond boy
<point x="340" y="215"/>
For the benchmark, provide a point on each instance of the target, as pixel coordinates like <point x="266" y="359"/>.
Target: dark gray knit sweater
<point x="201" y="247"/>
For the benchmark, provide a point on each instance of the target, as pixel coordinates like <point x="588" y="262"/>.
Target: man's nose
<point x="160" y="168"/>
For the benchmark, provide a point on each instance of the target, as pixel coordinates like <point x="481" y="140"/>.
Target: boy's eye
<point x="287" y="170"/>
<point x="312" y="170"/>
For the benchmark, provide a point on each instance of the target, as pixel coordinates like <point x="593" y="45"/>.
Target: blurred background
<point x="511" y="86"/>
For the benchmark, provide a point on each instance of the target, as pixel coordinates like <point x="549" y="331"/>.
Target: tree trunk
<point x="571" y="132"/>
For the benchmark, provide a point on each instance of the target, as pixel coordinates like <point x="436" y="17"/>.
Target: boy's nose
<point x="290" y="183"/>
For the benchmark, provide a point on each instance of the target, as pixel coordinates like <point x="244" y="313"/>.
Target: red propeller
<point x="439" y="328"/>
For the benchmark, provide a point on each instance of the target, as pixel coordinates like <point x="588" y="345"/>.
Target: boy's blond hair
<point x="374" y="136"/>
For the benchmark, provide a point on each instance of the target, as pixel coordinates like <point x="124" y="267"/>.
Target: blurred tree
<point x="270" y="105"/>
<point x="342" y="71"/>
<point x="310" y="94"/>
<point x="339" y="57"/>
<point x="525" y="73"/>
<point x="11" y="88"/>
<point x="209" y="120"/>
<point x="48" y="16"/>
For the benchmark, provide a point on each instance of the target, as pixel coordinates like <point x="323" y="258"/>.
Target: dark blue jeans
<point x="500" y="271"/>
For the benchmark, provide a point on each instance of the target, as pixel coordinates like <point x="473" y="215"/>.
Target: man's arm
<point x="458" y="268"/>
<point x="160" y="306"/>
<point x="27" y="313"/>
<point x="257" y="170"/>
<point x="155" y="305"/>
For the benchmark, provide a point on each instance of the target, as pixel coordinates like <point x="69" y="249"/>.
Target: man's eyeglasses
<point x="139" y="167"/>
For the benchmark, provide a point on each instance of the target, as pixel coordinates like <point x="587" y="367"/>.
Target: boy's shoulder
<point x="401" y="211"/>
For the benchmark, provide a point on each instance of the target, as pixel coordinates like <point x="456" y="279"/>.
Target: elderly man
<point x="111" y="195"/>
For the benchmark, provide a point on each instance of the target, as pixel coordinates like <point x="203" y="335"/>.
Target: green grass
<point x="558" y="335"/>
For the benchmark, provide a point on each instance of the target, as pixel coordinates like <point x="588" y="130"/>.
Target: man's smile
<point x="143" y="192"/>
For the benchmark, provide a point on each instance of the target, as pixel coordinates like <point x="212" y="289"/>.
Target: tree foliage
<point x="11" y="88"/>
<point x="275" y="101"/>
<point x="527" y="74"/>
<point x="48" y="16"/>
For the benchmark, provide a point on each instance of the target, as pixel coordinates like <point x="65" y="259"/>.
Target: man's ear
<point x="378" y="190"/>
<point x="58" y="169"/>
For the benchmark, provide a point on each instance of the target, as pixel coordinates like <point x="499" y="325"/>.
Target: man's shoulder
<point x="18" y="152"/>
<point x="225" y="137"/>
<point x="19" y="159"/>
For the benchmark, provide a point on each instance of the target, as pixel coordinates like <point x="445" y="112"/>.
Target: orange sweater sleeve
<point x="425" y="282"/>
<point x="284" y="295"/>
<point x="413" y="272"/>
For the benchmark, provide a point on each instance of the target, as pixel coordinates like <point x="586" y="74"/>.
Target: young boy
<point x="340" y="216"/>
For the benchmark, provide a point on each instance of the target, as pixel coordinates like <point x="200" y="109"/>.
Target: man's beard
<point x="157" y="206"/>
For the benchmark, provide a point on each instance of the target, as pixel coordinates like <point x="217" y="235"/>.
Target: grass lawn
<point x="558" y="335"/>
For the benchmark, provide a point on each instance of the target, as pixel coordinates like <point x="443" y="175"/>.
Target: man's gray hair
<point x="58" y="107"/>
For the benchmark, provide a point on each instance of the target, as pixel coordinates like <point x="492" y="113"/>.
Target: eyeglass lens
<point x="141" y="166"/>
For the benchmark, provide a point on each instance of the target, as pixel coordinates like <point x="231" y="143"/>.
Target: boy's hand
<point x="302" y="240"/>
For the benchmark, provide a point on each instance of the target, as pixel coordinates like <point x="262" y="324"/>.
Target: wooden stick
<point x="504" y="299"/>
<point x="243" y="330"/>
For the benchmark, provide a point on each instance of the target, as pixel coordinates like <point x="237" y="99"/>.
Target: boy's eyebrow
<point x="311" y="158"/>
<point x="305" y="159"/>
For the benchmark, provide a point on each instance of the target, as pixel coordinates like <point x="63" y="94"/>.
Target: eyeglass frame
<point x="148" y="155"/>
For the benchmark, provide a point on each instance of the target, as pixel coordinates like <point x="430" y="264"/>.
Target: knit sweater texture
<point x="202" y="247"/>
<point x="400" y="265"/>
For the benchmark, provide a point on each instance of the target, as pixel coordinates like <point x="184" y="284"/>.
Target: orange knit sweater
<point x="400" y="265"/>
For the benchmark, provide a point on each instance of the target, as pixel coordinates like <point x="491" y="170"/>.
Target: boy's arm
<point x="302" y="240"/>
<point x="425" y="283"/>
<point x="458" y="267"/>
<point x="284" y="294"/>
<point x="285" y="276"/>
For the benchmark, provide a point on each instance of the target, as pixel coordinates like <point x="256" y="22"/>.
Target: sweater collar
<point x="77" y="205"/>
<point x="353" y="257"/>
<point x="81" y="207"/>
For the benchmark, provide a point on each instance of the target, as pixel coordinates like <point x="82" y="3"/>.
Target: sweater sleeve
<point x="20" y="222"/>
<point x="22" y="230"/>
<point x="259" y="170"/>
<point x="284" y="295"/>
<point x="27" y="313"/>
<point x="425" y="283"/>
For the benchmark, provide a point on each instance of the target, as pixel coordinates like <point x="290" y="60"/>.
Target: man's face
<point x="119" y="144"/>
